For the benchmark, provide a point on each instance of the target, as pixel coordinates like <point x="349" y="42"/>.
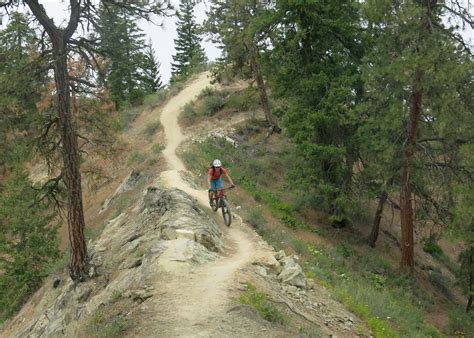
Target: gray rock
<point x="83" y="293"/>
<point x="136" y="243"/>
<point x="127" y="184"/>
<point x="280" y="255"/>
<point x="139" y="295"/>
<point x="292" y="273"/>
<point x="260" y="270"/>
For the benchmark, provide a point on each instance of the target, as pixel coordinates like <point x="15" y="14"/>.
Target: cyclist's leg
<point x="212" y="191"/>
<point x="219" y="187"/>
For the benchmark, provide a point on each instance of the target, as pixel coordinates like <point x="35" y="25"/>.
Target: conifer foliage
<point x="132" y="69"/>
<point x="28" y="242"/>
<point x="189" y="53"/>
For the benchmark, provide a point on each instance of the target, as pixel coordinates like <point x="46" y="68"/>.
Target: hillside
<point x="166" y="266"/>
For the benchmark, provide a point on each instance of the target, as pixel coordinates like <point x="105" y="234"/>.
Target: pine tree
<point x="28" y="242"/>
<point x="314" y="66"/>
<point x="123" y="44"/>
<point x="189" y="53"/>
<point x="151" y="77"/>
<point x="22" y="78"/>
<point x="235" y="26"/>
<point x="416" y="108"/>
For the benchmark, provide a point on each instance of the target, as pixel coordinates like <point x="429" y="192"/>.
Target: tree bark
<point x="408" y="151"/>
<point x="263" y="93"/>
<point x="406" y="205"/>
<point x="378" y="217"/>
<point x="70" y="150"/>
<point x="71" y="170"/>
<point x="378" y="213"/>
<point x="471" y="279"/>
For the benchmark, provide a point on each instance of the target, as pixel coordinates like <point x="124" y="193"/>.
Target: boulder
<point x="292" y="273"/>
<point x="270" y="263"/>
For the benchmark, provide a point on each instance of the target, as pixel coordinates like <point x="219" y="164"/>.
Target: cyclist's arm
<point x="209" y="181"/>
<point x="230" y="179"/>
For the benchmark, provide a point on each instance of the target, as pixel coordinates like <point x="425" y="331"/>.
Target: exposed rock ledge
<point x="166" y="227"/>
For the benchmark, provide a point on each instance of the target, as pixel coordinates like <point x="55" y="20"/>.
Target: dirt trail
<point x="198" y="295"/>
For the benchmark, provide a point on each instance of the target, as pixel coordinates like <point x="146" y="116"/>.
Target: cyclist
<point x="214" y="180"/>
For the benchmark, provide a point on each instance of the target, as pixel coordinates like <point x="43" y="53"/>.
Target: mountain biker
<point x="214" y="180"/>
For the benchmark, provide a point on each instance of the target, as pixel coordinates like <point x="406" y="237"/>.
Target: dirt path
<point x="198" y="295"/>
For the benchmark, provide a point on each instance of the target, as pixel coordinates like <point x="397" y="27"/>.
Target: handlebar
<point x="223" y="189"/>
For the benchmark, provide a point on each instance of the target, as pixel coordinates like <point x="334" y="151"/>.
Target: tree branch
<point x="84" y="82"/>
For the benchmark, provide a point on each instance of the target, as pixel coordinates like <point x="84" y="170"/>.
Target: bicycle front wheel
<point x="226" y="213"/>
<point x="214" y="202"/>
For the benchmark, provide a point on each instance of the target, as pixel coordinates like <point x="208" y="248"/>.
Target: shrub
<point x="157" y="148"/>
<point x="151" y="128"/>
<point x="430" y="246"/>
<point x="344" y="250"/>
<point x="211" y="105"/>
<point x="136" y="157"/>
<point x="208" y="91"/>
<point x="102" y="325"/>
<point x="189" y="113"/>
<point x="259" y="302"/>
<point x="256" y="220"/>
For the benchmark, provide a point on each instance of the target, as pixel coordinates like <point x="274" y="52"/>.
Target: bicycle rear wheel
<point x="226" y="213"/>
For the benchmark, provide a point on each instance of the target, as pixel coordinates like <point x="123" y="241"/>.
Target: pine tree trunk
<point x="70" y="150"/>
<point x="406" y="206"/>
<point x="263" y="94"/>
<point x="71" y="170"/>
<point x="471" y="279"/>
<point x="378" y="217"/>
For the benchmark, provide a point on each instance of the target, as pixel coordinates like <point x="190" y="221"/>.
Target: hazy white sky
<point x="162" y="37"/>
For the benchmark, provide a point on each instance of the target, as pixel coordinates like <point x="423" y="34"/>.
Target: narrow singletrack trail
<point x="197" y="295"/>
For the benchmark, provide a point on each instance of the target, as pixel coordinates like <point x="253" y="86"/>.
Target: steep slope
<point x="164" y="267"/>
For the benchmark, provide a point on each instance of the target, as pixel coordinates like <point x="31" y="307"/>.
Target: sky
<point x="162" y="35"/>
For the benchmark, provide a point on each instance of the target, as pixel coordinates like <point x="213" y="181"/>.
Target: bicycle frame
<point x="219" y="193"/>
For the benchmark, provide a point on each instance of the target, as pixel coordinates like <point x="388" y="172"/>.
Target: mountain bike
<point x="218" y="200"/>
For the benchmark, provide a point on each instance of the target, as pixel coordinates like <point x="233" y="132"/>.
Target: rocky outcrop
<point x="128" y="184"/>
<point x="166" y="227"/>
<point x="227" y="135"/>
<point x="292" y="273"/>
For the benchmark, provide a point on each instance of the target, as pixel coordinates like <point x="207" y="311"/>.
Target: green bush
<point x="431" y="246"/>
<point x="135" y="157"/>
<point x="208" y="91"/>
<point x="344" y="250"/>
<point x="101" y="325"/>
<point x="157" y="148"/>
<point x="189" y="113"/>
<point x="256" y="219"/>
<point x="211" y="105"/>
<point x="151" y="128"/>
<point x="259" y="302"/>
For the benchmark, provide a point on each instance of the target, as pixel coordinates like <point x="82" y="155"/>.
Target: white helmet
<point x="216" y="163"/>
